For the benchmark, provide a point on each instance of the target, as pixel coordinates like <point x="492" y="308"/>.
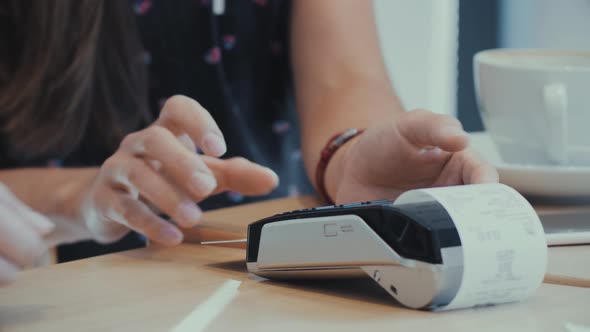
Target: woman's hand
<point x="21" y="236"/>
<point x="417" y="149"/>
<point x="158" y="169"/>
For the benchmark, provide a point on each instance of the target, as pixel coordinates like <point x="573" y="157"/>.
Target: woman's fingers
<point x="241" y="175"/>
<point x="199" y="176"/>
<point x="185" y="168"/>
<point x="187" y="142"/>
<point x="159" y="192"/>
<point x="118" y="205"/>
<point x="426" y="129"/>
<point x="157" y="166"/>
<point x="183" y="115"/>
<point x="435" y="135"/>
<point x="128" y="211"/>
<point x="466" y="168"/>
<point x="476" y="170"/>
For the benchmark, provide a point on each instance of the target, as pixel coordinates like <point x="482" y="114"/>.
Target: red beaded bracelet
<point x="328" y="151"/>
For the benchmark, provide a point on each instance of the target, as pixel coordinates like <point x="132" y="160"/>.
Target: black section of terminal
<point x="415" y="231"/>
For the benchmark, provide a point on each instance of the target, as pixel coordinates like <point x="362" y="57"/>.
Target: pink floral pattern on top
<point x="141" y="7"/>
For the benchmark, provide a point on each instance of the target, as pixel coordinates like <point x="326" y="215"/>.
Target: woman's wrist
<point x="334" y="171"/>
<point x="56" y="193"/>
<point x="50" y="191"/>
<point x="70" y="194"/>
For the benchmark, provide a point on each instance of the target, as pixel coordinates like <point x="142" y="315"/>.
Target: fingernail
<point x="42" y="224"/>
<point x="203" y="184"/>
<point x="171" y="234"/>
<point x="215" y="144"/>
<point x="190" y="213"/>
<point x="275" y="176"/>
<point x="155" y="164"/>
<point x="452" y="131"/>
<point x="187" y="142"/>
<point x="433" y="151"/>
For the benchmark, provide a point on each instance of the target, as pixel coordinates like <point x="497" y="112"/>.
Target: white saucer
<point x="559" y="194"/>
<point x="535" y="180"/>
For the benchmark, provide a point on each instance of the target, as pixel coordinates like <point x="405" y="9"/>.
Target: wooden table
<point x="155" y="289"/>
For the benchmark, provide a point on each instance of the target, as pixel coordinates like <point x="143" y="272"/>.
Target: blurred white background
<point x="420" y="42"/>
<point x="545" y="24"/>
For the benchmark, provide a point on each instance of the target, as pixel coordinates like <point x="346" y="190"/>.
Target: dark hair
<point x="70" y="70"/>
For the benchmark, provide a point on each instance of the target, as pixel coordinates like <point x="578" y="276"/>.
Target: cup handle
<point x="555" y="102"/>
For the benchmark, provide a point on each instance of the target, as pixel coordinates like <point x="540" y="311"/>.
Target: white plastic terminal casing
<point x="345" y="246"/>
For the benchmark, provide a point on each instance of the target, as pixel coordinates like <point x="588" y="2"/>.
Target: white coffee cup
<point x="535" y="104"/>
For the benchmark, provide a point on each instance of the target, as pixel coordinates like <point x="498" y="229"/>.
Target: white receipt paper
<point x="504" y="246"/>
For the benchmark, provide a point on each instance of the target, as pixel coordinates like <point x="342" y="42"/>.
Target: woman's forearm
<point x="56" y="193"/>
<point x="50" y="191"/>
<point x="340" y="77"/>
